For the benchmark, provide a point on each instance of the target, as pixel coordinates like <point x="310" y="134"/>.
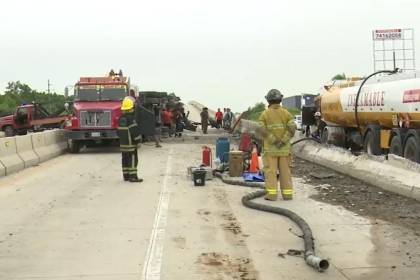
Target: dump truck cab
<point x="96" y="110"/>
<point x="30" y="117"/>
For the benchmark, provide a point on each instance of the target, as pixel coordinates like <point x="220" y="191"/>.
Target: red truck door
<point x="23" y="117"/>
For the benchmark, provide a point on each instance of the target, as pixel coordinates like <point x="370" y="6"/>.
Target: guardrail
<point x="19" y="152"/>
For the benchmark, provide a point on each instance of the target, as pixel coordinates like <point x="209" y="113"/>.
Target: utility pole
<point x="49" y="97"/>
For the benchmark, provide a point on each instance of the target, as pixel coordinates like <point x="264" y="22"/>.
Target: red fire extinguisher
<point x="207" y="156"/>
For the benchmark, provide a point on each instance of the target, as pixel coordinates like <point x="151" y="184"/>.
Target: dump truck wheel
<point x="396" y="146"/>
<point x="9" y="131"/>
<point x="74" y="146"/>
<point x="412" y="150"/>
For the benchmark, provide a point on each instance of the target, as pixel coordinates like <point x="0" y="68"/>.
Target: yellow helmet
<point x="127" y="104"/>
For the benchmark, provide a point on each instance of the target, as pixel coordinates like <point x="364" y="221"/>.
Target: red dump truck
<point x="96" y="110"/>
<point x="30" y="117"/>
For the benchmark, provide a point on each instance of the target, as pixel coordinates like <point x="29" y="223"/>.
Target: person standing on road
<point x="277" y="128"/>
<point x="167" y="120"/>
<point x="224" y="114"/>
<point x="204" y="119"/>
<point x="129" y="134"/>
<point x="227" y="119"/>
<point x="179" y="127"/>
<point x="158" y="126"/>
<point x="219" y="118"/>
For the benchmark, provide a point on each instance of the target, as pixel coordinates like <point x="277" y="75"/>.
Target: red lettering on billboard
<point x="411" y="96"/>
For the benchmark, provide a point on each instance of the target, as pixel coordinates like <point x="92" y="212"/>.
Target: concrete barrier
<point x="9" y="158"/>
<point x="61" y="140"/>
<point x="49" y="144"/>
<point x="40" y="147"/>
<point x="52" y="143"/>
<point x="397" y="175"/>
<point x="25" y="150"/>
<point x="19" y="152"/>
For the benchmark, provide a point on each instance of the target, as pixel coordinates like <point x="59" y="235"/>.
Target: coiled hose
<point x="310" y="257"/>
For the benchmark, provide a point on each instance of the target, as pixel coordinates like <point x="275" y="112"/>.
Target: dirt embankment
<point x="359" y="197"/>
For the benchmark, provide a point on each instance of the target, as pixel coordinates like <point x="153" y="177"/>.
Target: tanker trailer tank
<point x="380" y="115"/>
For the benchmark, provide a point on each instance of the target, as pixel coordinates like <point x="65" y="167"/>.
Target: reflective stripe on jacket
<point x="276" y="123"/>
<point x="128" y="132"/>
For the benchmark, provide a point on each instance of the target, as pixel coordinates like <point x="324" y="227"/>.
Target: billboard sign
<point x="387" y="34"/>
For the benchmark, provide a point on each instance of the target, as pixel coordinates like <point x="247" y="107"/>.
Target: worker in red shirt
<point x="219" y="118"/>
<point x="167" y="120"/>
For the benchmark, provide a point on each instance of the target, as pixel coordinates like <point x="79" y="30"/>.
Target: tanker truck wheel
<point x="324" y="136"/>
<point x="412" y="150"/>
<point x="370" y="145"/>
<point x="396" y="147"/>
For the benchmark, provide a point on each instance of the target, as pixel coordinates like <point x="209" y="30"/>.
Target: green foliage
<point x="339" y="77"/>
<point x="253" y="113"/>
<point x="17" y="93"/>
<point x="294" y="111"/>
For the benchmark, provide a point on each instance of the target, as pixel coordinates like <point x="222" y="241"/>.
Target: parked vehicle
<point x="298" y="122"/>
<point x="96" y="110"/>
<point x="387" y="118"/>
<point x="31" y="117"/>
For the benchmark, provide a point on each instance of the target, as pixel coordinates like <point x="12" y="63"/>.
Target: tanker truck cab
<point x="96" y="110"/>
<point x="386" y="118"/>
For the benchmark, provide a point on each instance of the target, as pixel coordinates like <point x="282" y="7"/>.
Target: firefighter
<point x="130" y="136"/>
<point x="277" y="128"/>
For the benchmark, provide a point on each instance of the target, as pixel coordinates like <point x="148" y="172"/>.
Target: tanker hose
<point x="356" y="105"/>
<point x="306" y="139"/>
<point x="310" y="257"/>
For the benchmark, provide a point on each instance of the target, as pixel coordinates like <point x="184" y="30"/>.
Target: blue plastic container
<point x="222" y="149"/>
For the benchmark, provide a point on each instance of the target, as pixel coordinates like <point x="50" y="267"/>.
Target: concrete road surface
<point x="74" y="218"/>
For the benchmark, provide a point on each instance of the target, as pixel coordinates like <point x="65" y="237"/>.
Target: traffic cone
<point x="253" y="167"/>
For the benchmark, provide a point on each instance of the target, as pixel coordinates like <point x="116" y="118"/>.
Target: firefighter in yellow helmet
<point x="277" y="127"/>
<point x="129" y="134"/>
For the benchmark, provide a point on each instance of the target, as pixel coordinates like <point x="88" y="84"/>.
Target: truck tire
<point x="396" y="146"/>
<point x="22" y="132"/>
<point x="9" y="131"/>
<point x="370" y="146"/>
<point x="412" y="149"/>
<point x="74" y="146"/>
<point x="324" y="136"/>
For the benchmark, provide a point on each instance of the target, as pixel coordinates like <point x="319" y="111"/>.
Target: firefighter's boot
<point x="135" y="180"/>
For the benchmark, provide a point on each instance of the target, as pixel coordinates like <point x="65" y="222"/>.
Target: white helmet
<point x="317" y="114"/>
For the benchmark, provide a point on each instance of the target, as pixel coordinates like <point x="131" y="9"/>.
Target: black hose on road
<point x="306" y="139"/>
<point x="310" y="257"/>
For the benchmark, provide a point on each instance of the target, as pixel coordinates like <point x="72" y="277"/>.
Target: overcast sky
<point x="217" y="52"/>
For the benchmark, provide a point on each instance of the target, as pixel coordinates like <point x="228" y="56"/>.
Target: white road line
<point x="153" y="259"/>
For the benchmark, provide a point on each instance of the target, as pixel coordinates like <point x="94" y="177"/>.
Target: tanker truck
<point x="385" y="119"/>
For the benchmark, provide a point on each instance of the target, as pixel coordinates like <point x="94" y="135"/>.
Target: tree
<point x="18" y="93"/>
<point x="253" y="113"/>
<point x="339" y="77"/>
